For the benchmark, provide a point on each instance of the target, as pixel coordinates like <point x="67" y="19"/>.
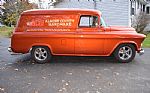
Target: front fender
<point x="124" y="42"/>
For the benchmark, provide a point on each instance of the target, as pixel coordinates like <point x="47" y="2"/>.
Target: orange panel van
<point x="73" y="32"/>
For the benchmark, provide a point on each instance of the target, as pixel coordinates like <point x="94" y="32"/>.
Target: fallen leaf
<point x="49" y="74"/>
<point x="36" y="91"/>
<point x="110" y="83"/>
<point x="69" y="73"/>
<point x="67" y="84"/>
<point x="98" y="92"/>
<point x="2" y="89"/>
<point x="63" y="80"/>
<point x="97" y="77"/>
<point x="43" y="77"/>
<point x="2" y="68"/>
<point x="64" y="89"/>
<point x="116" y="73"/>
<point x="29" y="83"/>
<point x="100" y="88"/>
<point x="88" y="92"/>
<point x="16" y="69"/>
<point x="87" y="70"/>
<point x="106" y="69"/>
<point x="99" y="74"/>
<point x="92" y="85"/>
<point x="60" y="90"/>
<point x="112" y="67"/>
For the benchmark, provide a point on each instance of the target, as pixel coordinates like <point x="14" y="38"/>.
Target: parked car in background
<point x="73" y="32"/>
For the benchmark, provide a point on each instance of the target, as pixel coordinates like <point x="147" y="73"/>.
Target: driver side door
<point x="89" y="40"/>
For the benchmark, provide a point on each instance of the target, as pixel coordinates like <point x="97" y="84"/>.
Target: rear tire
<point x="41" y="54"/>
<point x="125" y="53"/>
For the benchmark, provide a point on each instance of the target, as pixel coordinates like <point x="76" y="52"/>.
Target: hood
<point x="121" y="28"/>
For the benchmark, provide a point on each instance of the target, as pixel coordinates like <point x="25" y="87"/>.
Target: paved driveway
<point x="18" y="74"/>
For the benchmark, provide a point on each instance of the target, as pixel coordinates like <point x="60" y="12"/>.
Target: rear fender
<point x="41" y="44"/>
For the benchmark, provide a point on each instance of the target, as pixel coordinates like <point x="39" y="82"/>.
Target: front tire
<point x="125" y="53"/>
<point x="41" y="54"/>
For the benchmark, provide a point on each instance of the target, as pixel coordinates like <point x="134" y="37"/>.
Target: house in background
<point x="44" y="4"/>
<point x="1" y="9"/>
<point x="1" y="6"/>
<point x="115" y="12"/>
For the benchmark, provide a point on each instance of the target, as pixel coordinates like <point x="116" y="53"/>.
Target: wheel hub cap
<point x="125" y="53"/>
<point x="40" y="54"/>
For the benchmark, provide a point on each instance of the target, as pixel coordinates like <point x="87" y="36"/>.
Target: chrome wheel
<point x="40" y="54"/>
<point x="125" y="53"/>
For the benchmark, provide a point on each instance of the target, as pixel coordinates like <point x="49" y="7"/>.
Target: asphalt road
<point x="19" y="74"/>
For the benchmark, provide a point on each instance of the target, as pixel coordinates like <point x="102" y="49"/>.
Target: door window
<point x="88" y="21"/>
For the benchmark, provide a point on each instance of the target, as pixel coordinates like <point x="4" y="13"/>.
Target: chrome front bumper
<point x="141" y="52"/>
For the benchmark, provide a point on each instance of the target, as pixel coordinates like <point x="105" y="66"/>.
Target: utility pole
<point x="51" y="3"/>
<point x="40" y="4"/>
<point x="95" y="4"/>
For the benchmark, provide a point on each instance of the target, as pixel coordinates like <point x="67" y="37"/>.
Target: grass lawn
<point x="146" y="42"/>
<point x="6" y="31"/>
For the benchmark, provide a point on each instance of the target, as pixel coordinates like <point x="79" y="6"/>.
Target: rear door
<point x="89" y="39"/>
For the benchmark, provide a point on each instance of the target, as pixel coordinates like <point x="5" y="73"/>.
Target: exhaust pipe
<point x="9" y="49"/>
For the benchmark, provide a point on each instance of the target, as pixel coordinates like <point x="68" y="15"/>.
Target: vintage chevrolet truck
<point x="73" y="32"/>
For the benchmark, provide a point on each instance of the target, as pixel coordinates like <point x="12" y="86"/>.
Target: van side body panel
<point x="59" y="30"/>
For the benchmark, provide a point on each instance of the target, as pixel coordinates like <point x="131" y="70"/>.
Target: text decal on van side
<point x="52" y="21"/>
<point x="59" y="22"/>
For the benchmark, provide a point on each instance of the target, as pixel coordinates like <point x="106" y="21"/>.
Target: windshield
<point x="102" y="22"/>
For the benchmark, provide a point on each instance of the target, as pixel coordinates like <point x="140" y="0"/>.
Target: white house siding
<point x="85" y="4"/>
<point x="115" y="12"/>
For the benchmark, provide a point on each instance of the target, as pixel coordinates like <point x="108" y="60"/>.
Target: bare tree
<point x="140" y="22"/>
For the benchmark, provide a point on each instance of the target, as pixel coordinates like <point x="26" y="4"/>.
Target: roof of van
<point x="62" y="11"/>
